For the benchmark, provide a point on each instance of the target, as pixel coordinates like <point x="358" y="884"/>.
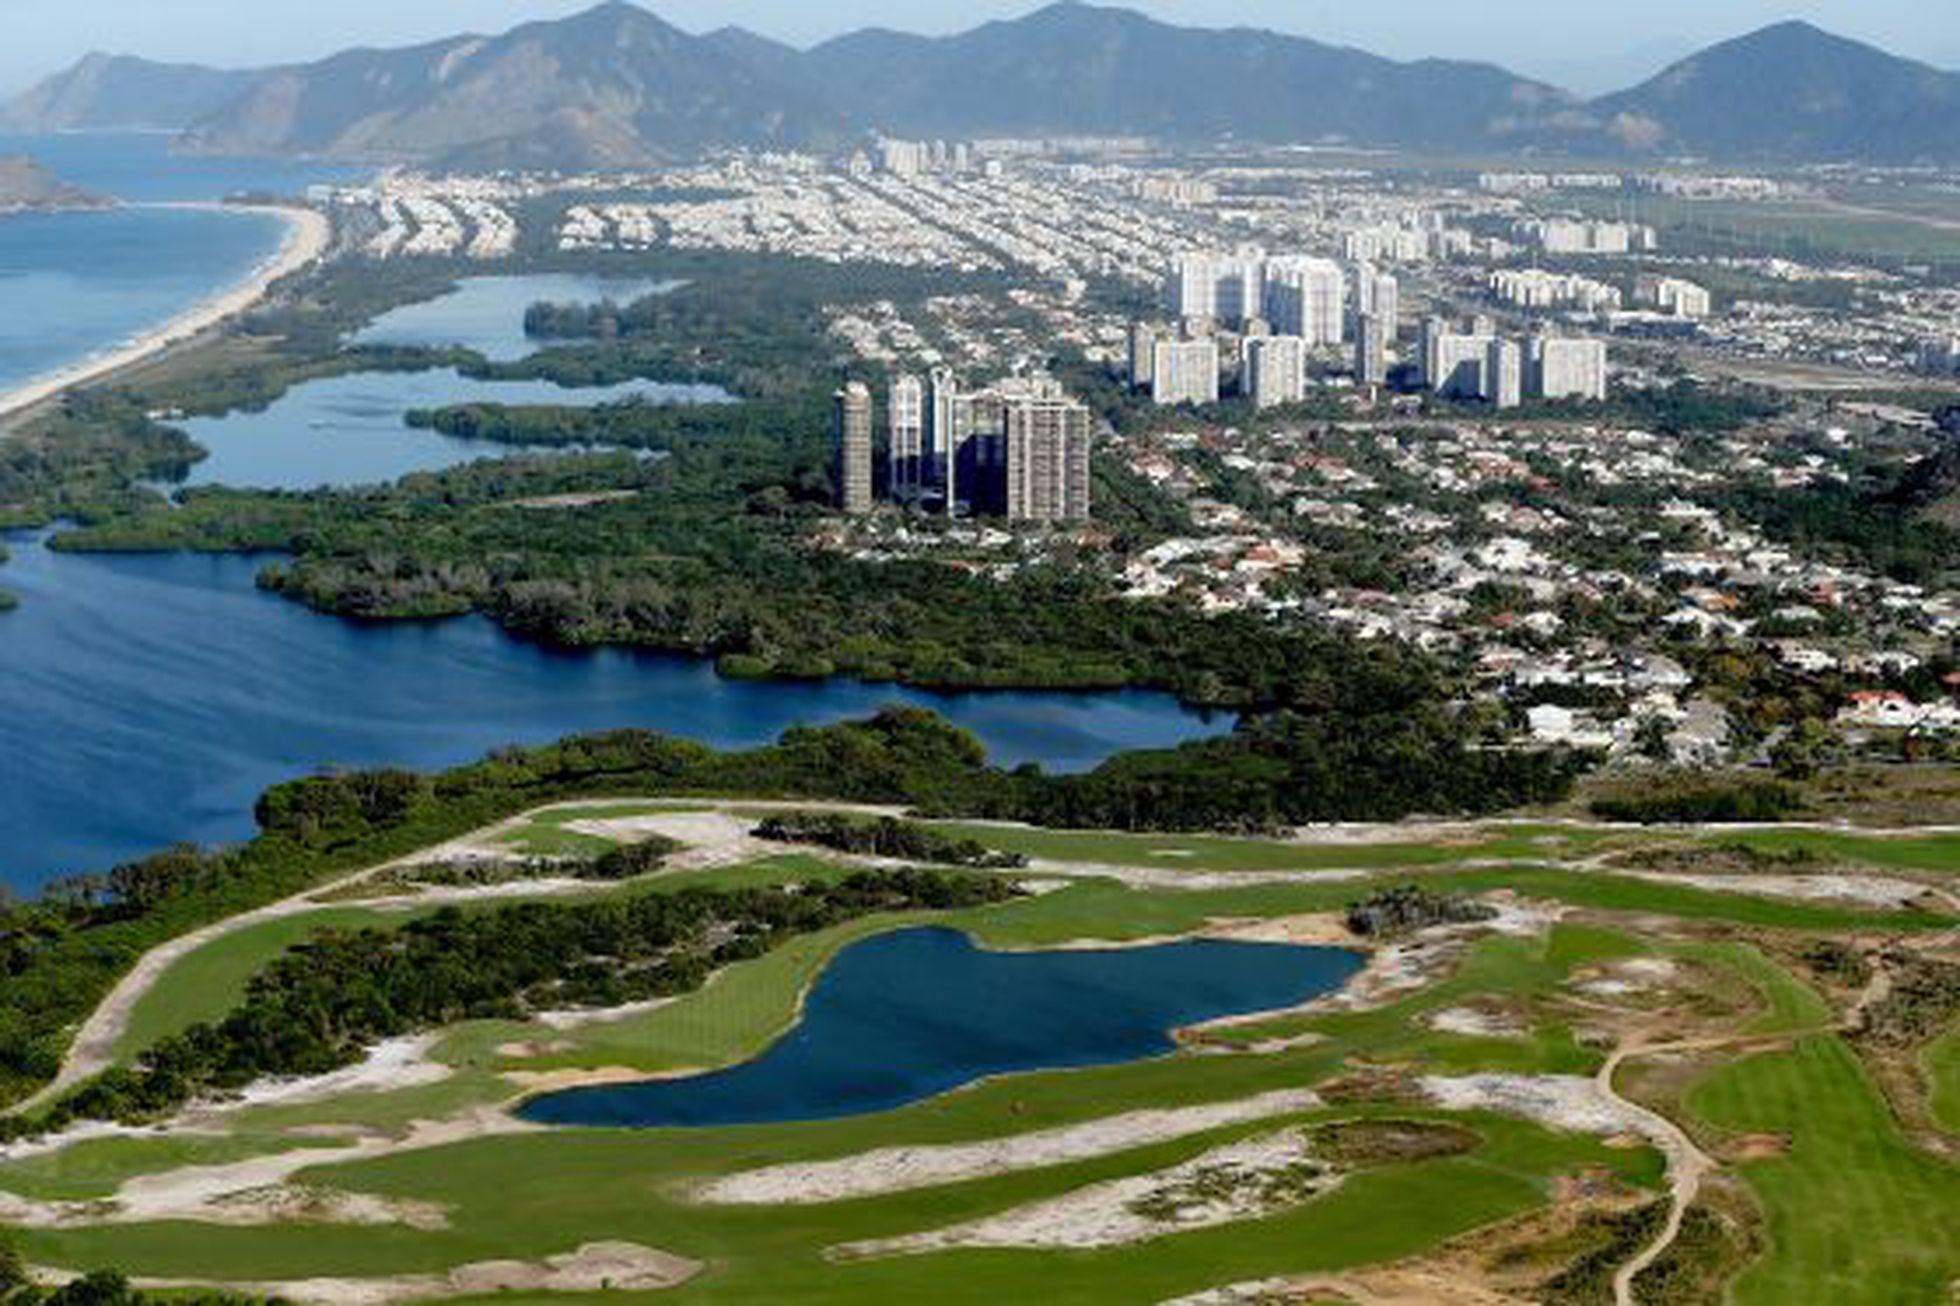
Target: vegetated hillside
<point x="618" y="87"/>
<point x="1790" y="91"/>
<point x="1081" y="68"/>
<point x="27" y="186"/>
<point x="113" y="92"/>
<point x="612" y="87"/>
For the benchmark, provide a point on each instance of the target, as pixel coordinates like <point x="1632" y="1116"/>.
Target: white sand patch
<point x="398" y="1063"/>
<point x="563" y="1021"/>
<point x="260" y="1190"/>
<point x="594" y="1268"/>
<point x="1190" y="881"/>
<point x="1863" y="890"/>
<point x="709" y="839"/>
<point x="1247" y="1180"/>
<point x="905" y="1169"/>
<point x="1569" y="1102"/>
<point x="1472" y="1023"/>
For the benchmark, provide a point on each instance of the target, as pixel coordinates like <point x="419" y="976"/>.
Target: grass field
<point x="1855" y="1213"/>
<point x="1878" y="1233"/>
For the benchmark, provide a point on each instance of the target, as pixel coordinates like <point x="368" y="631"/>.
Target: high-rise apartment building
<point x="1504" y="374"/>
<point x="1185" y="372"/>
<point x="1210" y="287"/>
<point x="1275" y="371"/>
<point x="1372" y="336"/>
<point x="1018" y="449"/>
<point x="1143" y="354"/>
<point x="1376" y="294"/>
<point x="1307" y="297"/>
<point x="1558" y="368"/>
<point x="853" y="444"/>
<point x="909" y="470"/>
<point x="1683" y="299"/>
<point x="1047" y="440"/>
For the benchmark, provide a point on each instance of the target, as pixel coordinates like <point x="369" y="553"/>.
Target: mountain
<point x="613" y="87"/>
<point x="28" y="187"/>
<point x="1079" y="68"/>
<point x="1790" y="92"/>
<point x="617" y="87"/>
<point x="111" y="92"/>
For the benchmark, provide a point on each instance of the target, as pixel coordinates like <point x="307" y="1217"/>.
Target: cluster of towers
<point x="1018" y="449"/>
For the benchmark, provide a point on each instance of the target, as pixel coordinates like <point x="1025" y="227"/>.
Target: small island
<point x="26" y="186"/>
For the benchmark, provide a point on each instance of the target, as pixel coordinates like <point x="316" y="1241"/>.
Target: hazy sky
<point x="1588" y="45"/>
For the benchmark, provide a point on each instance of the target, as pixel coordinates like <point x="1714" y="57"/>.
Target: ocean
<point x="73" y="285"/>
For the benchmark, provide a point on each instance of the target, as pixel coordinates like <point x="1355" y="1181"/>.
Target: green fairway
<point x="1931" y="852"/>
<point x="1856" y="1215"/>
<point x="207" y="983"/>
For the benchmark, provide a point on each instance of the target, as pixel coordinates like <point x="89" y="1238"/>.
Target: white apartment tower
<point x="909" y="471"/>
<point x="853" y="438"/>
<point x="1372" y="335"/>
<point x="1307" y="297"/>
<point x="1275" y="370"/>
<point x="1185" y="372"/>
<point x="1047" y="442"/>
<point x="1566" y="369"/>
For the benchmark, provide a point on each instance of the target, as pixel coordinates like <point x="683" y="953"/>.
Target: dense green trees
<point x="884" y="837"/>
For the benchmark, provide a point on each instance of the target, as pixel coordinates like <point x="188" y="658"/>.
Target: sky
<point x="1585" y="45"/>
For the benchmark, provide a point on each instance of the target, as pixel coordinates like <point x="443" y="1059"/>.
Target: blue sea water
<point x="73" y="285"/>
<point x="907" y="1016"/>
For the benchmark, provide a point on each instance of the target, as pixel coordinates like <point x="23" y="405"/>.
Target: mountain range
<point x="618" y="87"/>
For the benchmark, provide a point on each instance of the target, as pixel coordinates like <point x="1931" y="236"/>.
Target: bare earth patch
<point x="1247" y="1180"/>
<point x="594" y="1268"/>
<point x="905" y="1169"/>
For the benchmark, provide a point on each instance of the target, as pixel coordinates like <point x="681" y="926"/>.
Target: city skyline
<point x="1539" y="38"/>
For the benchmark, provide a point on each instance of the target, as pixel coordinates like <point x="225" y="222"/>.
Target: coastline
<point x="308" y="236"/>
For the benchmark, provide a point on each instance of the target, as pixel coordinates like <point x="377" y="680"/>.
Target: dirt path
<point x="1687" y="1167"/>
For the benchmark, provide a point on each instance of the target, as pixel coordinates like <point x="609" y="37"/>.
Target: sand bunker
<point x="596" y="1267"/>
<point x="904" y="1169"/>
<point x="1247" y="1180"/>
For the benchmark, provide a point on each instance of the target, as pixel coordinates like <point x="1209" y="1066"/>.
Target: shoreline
<point x="308" y="236"/>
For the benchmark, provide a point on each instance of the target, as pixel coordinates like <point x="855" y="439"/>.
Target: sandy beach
<point x="308" y="234"/>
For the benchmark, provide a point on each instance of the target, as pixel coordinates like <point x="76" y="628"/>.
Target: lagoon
<point x="907" y="1016"/>
<point x="150" y="699"/>
<point x="351" y="430"/>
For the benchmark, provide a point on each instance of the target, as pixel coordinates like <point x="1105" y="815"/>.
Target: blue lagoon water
<point x="349" y="430"/>
<point x="910" y="1015"/>
<point x="146" y="700"/>
<point x="487" y="313"/>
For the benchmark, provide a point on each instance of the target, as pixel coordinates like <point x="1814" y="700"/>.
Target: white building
<point x="1210" y="287"/>
<point x="1275" y="370"/>
<point x="1559" y="368"/>
<point x="1580" y="236"/>
<point x="1534" y="288"/>
<point x="1376" y="294"/>
<point x="1184" y="372"/>
<point x="1372" y="336"/>
<point x="908" y="470"/>
<point x="1307" y="297"/>
<point x="1504" y="374"/>
<point x="1672" y="295"/>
